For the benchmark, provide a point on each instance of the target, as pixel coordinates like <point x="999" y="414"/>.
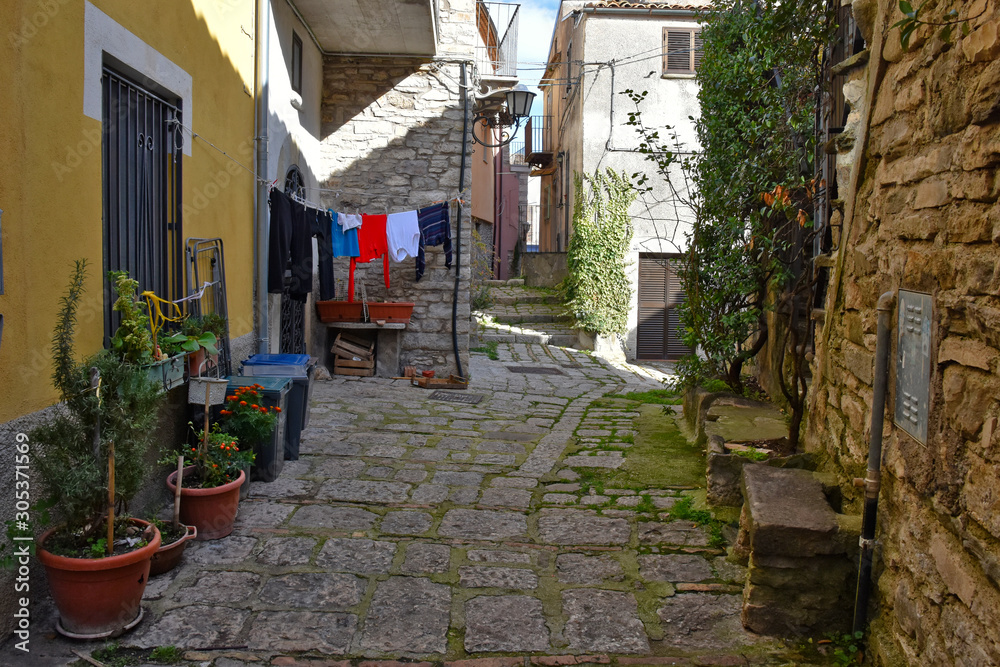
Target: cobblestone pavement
<point x="417" y="528"/>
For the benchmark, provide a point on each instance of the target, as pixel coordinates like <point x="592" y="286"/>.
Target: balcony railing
<point x="517" y="154"/>
<point x="496" y="55"/>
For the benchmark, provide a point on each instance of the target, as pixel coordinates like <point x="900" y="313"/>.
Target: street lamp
<point x="517" y="107"/>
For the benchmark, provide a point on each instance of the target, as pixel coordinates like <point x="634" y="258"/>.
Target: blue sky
<point x="537" y="19"/>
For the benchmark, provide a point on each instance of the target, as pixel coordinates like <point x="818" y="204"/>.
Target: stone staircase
<point x="522" y="314"/>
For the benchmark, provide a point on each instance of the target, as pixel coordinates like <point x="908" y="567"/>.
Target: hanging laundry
<point x="402" y="232"/>
<point x="324" y="230"/>
<point x="372" y="244"/>
<point x="435" y="229"/>
<point x="301" y="253"/>
<point x="349" y="220"/>
<point x="279" y="241"/>
<point x="344" y="241"/>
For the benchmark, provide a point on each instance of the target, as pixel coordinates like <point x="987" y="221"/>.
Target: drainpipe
<point x="261" y="66"/>
<point x="458" y="216"/>
<point x="872" y="482"/>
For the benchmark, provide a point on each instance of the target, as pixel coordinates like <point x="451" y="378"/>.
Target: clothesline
<point x="305" y="202"/>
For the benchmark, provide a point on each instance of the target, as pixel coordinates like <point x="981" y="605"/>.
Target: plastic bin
<point x="299" y="369"/>
<point x="270" y="455"/>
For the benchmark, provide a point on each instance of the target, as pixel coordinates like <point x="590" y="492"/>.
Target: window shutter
<point x="677" y="57"/>
<point x="698" y="50"/>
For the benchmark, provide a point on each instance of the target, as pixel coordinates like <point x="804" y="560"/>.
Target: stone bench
<point x="801" y="555"/>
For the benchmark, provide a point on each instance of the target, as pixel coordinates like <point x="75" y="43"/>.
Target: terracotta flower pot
<point x="98" y="597"/>
<point x="211" y="511"/>
<point x="168" y="555"/>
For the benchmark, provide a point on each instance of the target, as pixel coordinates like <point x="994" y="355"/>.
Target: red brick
<point x="394" y="663"/>
<point x="486" y="662"/>
<point x="653" y="660"/>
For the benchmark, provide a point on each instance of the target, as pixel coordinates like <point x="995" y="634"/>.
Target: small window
<point x="569" y="69"/>
<point x="681" y="51"/>
<point x="296" y="63"/>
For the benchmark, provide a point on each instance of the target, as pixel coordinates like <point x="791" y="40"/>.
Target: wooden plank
<point x="351" y="363"/>
<point x="350" y="354"/>
<point x="362" y="372"/>
<point x="350" y="367"/>
<point x="352" y="349"/>
<point x="357" y="340"/>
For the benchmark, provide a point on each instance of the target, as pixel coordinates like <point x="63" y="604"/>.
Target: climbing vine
<point x="749" y="247"/>
<point x="597" y="289"/>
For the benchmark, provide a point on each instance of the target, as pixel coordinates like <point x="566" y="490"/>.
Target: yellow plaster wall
<point x="51" y="181"/>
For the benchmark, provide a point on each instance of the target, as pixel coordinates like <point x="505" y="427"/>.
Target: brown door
<point x="660" y="292"/>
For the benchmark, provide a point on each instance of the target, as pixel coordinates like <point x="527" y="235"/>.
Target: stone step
<point x="509" y="300"/>
<point x="534" y="318"/>
<point x="538" y="338"/>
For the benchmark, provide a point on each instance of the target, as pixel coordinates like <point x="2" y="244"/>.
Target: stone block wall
<point x="918" y="179"/>
<point x="391" y="141"/>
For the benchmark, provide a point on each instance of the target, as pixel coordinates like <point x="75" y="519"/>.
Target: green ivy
<point x="597" y="289"/>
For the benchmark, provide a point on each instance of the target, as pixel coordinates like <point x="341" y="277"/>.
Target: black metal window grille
<point x="142" y="144"/>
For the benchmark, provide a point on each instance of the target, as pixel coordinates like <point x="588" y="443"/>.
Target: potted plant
<point x="134" y="343"/>
<point x="196" y="346"/>
<point x="247" y="418"/>
<point x="174" y="537"/>
<point x="210" y="488"/>
<point x="91" y="458"/>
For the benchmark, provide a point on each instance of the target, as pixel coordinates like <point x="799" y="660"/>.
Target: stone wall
<point x="544" y="269"/>
<point x="918" y="181"/>
<point x="392" y="141"/>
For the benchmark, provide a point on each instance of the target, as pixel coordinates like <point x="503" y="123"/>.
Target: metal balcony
<point x="538" y="141"/>
<point x="496" y="51"/>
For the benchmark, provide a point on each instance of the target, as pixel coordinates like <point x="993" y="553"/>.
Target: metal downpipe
<point x="458" y="217"/>
<point x="872" y="482"/>
<point x="262" y="64"/>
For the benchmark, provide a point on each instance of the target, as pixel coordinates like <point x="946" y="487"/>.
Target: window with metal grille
<point x="681" y="50"/>
<point x="142" y="144"/>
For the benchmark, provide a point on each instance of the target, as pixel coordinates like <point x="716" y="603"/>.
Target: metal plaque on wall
<point x="913" y="363"/>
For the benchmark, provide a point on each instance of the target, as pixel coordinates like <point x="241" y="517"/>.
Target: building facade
<point x="916" y="219"/>
<point x="600" y="50"/>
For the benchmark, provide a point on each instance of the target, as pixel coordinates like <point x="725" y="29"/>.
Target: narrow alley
<point x="503" y="525"/>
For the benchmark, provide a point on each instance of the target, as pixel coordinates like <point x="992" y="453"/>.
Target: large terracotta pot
<point x="211" y="511"/>
<point x="98" y="597"/>
<point x="168" y="555"/>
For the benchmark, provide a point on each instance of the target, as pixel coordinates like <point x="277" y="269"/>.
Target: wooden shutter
<point x="681" y="50"/>
<point x="660" y="291"/>
<point x="650" y="343"/>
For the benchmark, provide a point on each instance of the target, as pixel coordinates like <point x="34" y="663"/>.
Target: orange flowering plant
<point x="218" y="459"/>
<point x="246" y="417"/>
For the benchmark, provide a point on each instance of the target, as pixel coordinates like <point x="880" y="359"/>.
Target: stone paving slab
<point x="513" y="623"/>
<point x="408" y="615"/>
<point x="579" y="527"/>
<point x="603" y="621"/>
<point x="483" y="524"/>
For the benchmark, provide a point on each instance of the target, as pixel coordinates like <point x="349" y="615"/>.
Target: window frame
<point x="295" y="67"/>
<point x="693" y="56"/>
